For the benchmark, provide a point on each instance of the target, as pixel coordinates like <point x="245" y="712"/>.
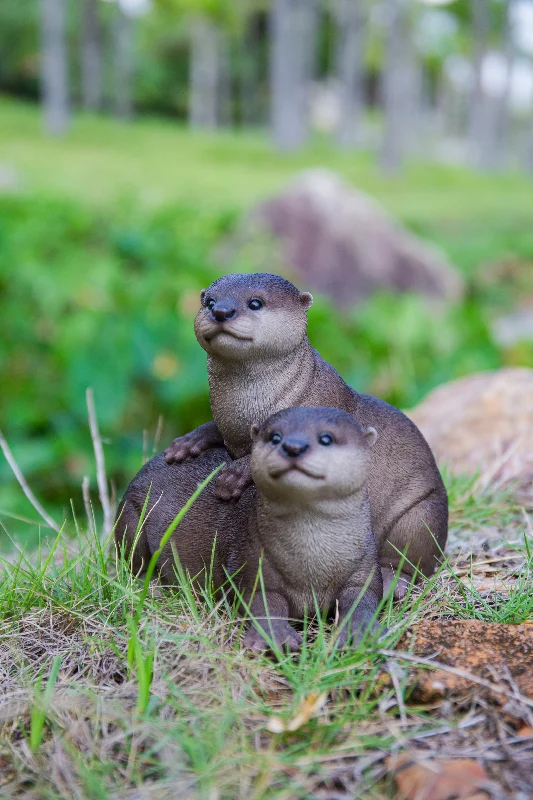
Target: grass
<point x="115" y="688"/>
<point x="153" y="163"/>
<point x="147" y="692"/>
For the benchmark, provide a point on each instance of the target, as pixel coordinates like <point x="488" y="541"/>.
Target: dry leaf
<point x="310" y="706"/>
<point x="525" y="733"/>
<point x="421" y="778"/>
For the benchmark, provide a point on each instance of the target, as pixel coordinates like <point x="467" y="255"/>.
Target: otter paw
<point x="184" y="447"/>
<point x="285" y="637"/>
<point x="402" y="586"/>
<point x="232" y="482"/>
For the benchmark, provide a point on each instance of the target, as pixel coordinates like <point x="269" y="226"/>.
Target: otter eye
<point x="326" y="439"/>
<point x="255" y="304"/>
<point x="275" y="437"/>
<point x="209" y="303"/>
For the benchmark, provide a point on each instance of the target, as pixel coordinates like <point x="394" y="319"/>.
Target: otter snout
<point x="221" y="312"/>
<point x="294" y="448"/>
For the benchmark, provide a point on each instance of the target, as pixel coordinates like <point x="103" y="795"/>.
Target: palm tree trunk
<point x="479" y="105"/>
<point x="293" y="35"/>
<point x="54" y="71"/>
<point x="349" y="58"/>
<point x="124" y="64"/>
<point x="204" y="74"/>
<point x="396" y="85"/>
<point x="91" y="55"/>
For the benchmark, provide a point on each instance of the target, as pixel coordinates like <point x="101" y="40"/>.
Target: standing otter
<point x="260" y="360"/>
<point x="307" y="523"/>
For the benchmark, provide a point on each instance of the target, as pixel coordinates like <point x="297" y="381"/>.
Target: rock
<point x="330" y="238"/>
<point x="483" y="423"/>
<point x="489" y="651"/>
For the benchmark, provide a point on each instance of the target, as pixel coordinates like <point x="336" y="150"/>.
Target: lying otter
<point x="254" y="330"/>
<point x="307" y="522"/>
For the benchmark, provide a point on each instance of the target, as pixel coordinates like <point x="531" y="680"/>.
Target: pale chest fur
<point x="315" y="555"/>
<point x="239" y="398"/>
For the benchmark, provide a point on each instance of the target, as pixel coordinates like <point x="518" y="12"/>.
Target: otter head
<point x="302" y="455"/>
<point x="256" y="316"/>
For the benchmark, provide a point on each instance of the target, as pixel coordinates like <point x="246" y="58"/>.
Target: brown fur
<point x="262" y="361"/>
<point x="307" y="523"/>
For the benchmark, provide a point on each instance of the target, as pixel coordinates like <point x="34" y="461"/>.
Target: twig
<point x="429" y="662"/>
<point x="10" y="458"/>
<point x="101" y="478"/>
<point x="393" y="669"/>
<point x="87" y="502"/>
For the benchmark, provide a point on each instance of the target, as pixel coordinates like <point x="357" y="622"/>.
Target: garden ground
<point x="100" y="702"/>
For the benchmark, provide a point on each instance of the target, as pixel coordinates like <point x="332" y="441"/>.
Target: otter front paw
<point x="402" y="586"/>
<point x="233" y="480"/>
<point x="192" y="444"/>
<point x="285" y="637"/>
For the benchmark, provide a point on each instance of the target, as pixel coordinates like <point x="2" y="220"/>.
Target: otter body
<point x="254" y="330"/>
<point x="307" y="522"/>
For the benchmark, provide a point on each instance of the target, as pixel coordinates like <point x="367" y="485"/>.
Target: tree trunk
<point x="204" y="74"/>
<point x="224" y="93"/>
<point x="529" y="147"/>
<point x="91" y="55"/>
<point x="248" y="85"/>
<point x="479" y="122"/>
<point x="499" y="129"/>
<point x="293" y="37"/>
<point x="397" y="85"/>
<point x="349" y="68"/>
<point x="54" y="70"/>
<point x="124" y="64"/>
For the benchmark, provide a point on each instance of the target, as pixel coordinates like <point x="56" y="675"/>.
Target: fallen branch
<point x="10" y="458"/>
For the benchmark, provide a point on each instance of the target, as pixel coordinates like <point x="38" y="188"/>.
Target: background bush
<point x="108" y="300"/>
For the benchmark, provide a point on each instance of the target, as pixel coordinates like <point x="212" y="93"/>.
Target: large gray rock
<point x="483" y="424"/>
<point x="329" y="237"/>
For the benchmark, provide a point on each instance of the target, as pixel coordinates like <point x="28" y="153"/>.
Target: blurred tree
<point x="249" y="70"/>
<point x="293" y="35"/>
<point x="498" y="140"/>
<point x="54" y="70"/>
<point x="479" y="111"/>
<point x="91" y="55"/>
<point x="397" y="83"/>
<point x="208" y="73"/>
<point x="350" y="20"/>
<point x="124" y="61"/>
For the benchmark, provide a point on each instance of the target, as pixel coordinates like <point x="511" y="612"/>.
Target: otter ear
<point x="254" y="431"/>
<point x="202" y="296"/>
<point x="306" y="299"/>
<point x="370" y="435"/>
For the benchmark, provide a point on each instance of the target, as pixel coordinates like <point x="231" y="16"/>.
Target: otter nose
<point x="223" y="311"/>
<point x="294" y="447"/>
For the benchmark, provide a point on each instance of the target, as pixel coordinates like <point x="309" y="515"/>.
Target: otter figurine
<point x="307" y="522"/>
<point x="260" y="360"/>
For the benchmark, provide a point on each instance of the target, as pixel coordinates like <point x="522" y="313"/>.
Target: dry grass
<point x="189" y="715"/>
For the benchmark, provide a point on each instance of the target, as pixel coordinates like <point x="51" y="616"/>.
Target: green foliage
<point x="106" y="245"/>
<point x="108" y="301"/>
<point x="110" y="304"/>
